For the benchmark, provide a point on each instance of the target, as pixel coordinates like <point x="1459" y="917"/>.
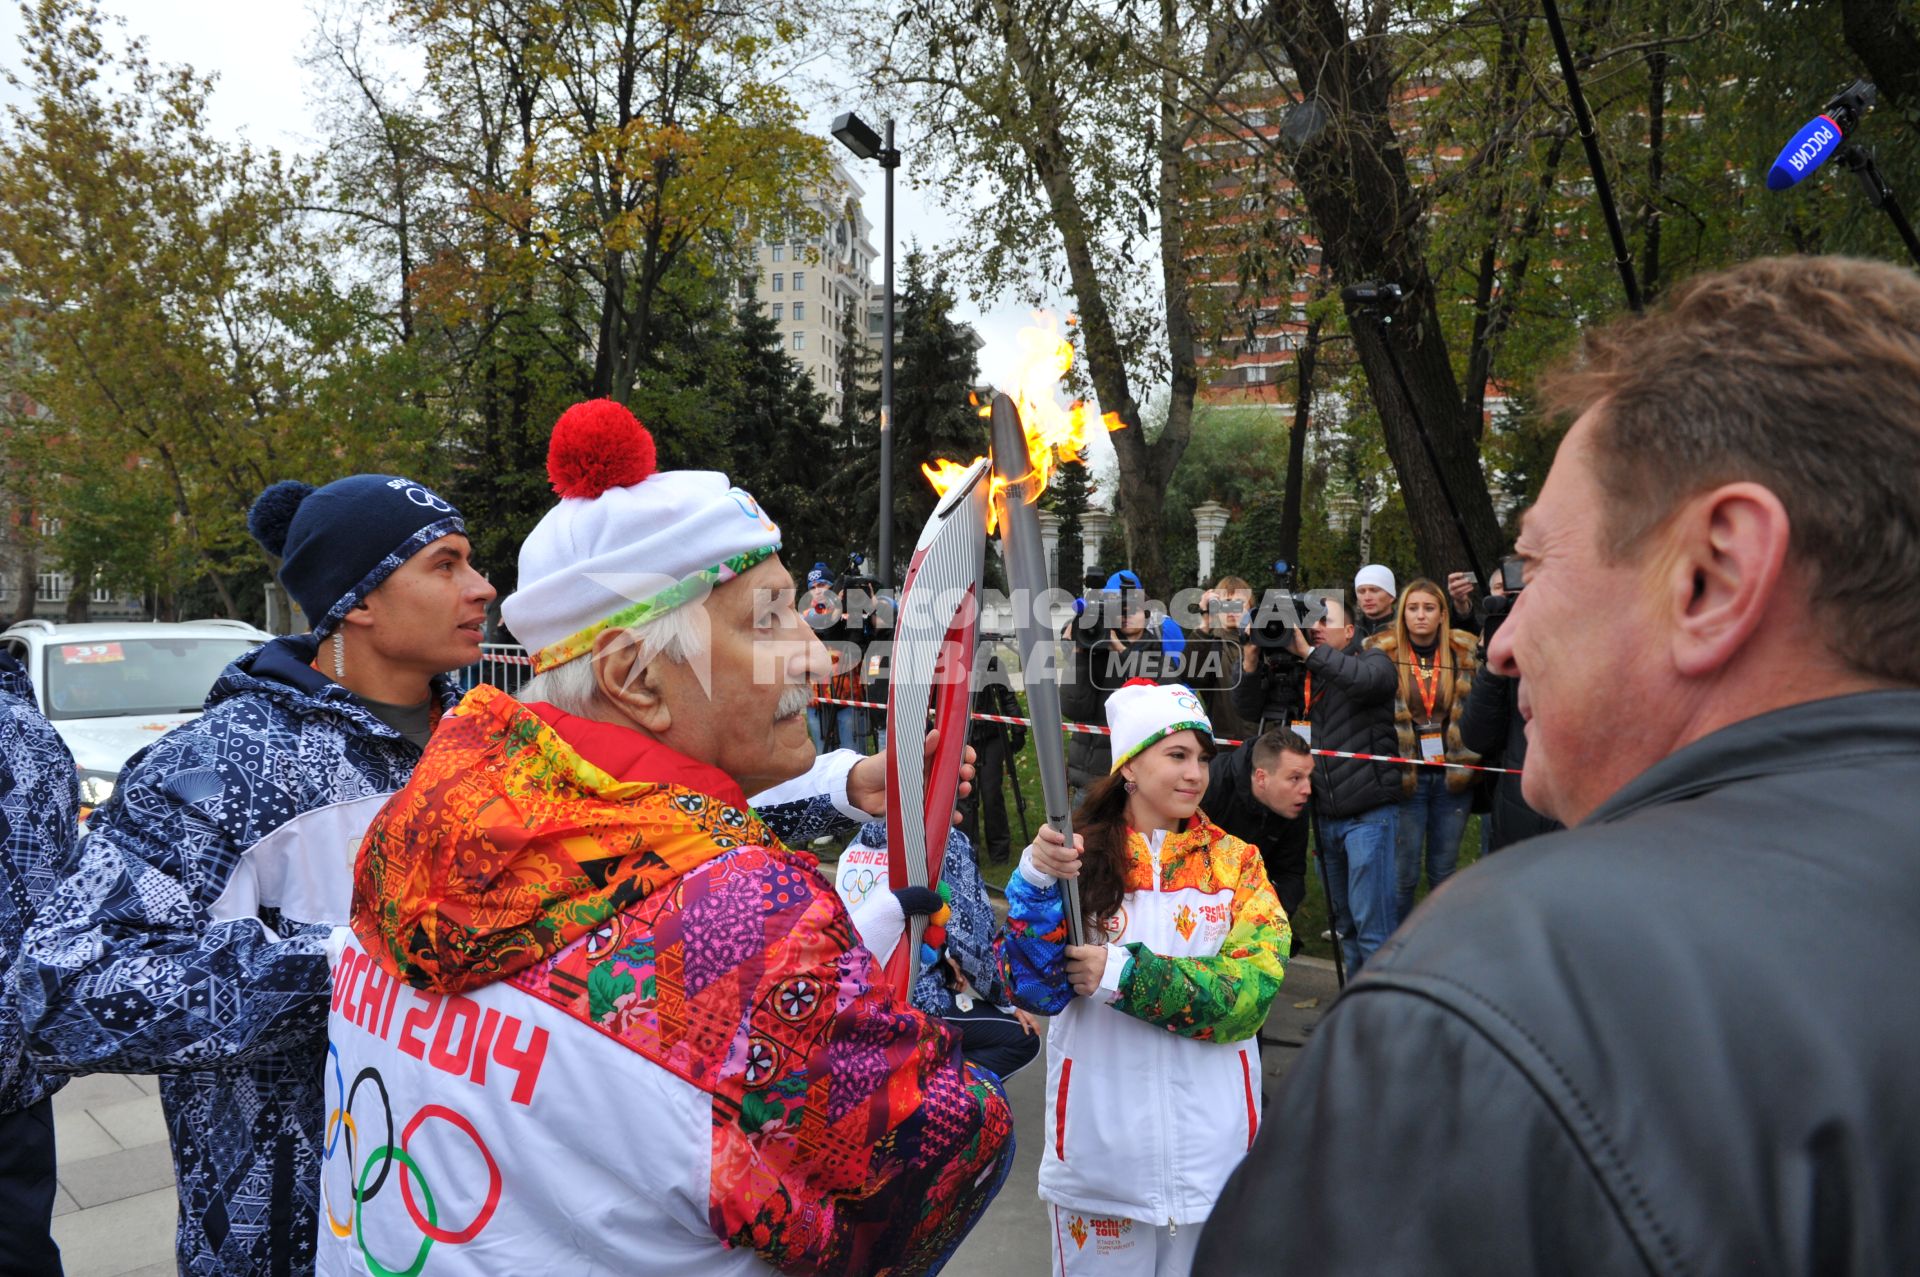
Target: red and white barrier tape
<point x="1093" y="729"/>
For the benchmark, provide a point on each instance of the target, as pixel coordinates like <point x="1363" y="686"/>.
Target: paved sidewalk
<point x="115" y="1211"/>
<point x="1013" y="1237"/>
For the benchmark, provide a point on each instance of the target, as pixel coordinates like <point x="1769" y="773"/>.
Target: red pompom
<point x="598" y="445"/>
<point x="1139" y="682"/>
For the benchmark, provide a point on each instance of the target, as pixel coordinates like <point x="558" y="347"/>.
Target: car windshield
<point x="135" y="675"/>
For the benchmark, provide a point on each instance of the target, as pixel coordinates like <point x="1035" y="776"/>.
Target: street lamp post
<point x="857" y="136"/>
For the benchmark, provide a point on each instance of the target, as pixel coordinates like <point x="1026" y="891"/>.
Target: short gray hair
<point x="679" y="635"/>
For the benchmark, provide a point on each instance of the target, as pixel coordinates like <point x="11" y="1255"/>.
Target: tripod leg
<point x="1326" y="888"/>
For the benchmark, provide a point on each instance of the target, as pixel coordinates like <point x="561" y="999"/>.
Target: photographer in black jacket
<point x="1348" y="691"/>
<point x="995" y="746"/>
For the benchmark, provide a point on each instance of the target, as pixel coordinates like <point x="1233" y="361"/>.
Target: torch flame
<point x="1055" y="433"/>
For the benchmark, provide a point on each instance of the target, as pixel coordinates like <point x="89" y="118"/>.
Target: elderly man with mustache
<point x="592" y="1015"/>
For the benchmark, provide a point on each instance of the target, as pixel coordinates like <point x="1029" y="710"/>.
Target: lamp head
<point x="856" y="135"/>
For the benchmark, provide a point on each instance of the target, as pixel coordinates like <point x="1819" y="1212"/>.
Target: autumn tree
<point x="167" y="288"/>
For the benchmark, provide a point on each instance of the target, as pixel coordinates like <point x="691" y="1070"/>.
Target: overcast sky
<point x="265" y="94"/>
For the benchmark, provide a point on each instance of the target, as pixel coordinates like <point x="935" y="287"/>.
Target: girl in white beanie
<point x="1153" y="1070"/>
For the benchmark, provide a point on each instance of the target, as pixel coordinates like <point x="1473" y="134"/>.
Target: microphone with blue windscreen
<point x="1821" y="137"/>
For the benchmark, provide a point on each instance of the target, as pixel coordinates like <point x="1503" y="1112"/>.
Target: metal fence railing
<point x="504" y="665"/>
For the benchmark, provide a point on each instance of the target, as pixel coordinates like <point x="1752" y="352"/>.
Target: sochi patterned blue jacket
<point x="39" y="811"/>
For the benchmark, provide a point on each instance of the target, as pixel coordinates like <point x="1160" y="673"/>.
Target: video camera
<point x="1494" y="608"/>
<point x="1106" y="610"/>
<point x="1279" y="613"/>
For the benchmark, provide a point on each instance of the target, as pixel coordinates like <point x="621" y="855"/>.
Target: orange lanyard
<point x="1308" y="707"/>
<point x="1428" y="680"/>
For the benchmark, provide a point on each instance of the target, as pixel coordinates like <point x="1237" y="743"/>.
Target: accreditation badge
<point x="1433" y="743"/>
<point x="1303" y="729"/>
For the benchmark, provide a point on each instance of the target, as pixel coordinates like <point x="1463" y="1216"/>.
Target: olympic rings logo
<point x="857" y="882"/>
<point x="751" y="508"/>
<point x="372" y="1173"/>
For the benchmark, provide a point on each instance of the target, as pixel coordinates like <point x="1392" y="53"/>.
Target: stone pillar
<point x="1050" y="544"/>
<point x="1209" y="521"/>
<point x="1094" y="527"/>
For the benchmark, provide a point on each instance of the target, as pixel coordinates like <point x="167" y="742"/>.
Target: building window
<point x="779" y="283"/>
<point x="778" y="309"/>
<point x="779" y="252"/>
<point x="53" y="586"/>
<point x="799" y="341"/>
<point x="799" y="280"/>
<point x="1256" y="373"/>
<point x="799" y="310"/>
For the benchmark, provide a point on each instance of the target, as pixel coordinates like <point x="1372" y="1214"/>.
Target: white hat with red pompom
<point x="627" y="542"/>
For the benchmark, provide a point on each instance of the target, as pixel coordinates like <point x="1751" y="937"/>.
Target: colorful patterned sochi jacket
<point x="651" y="1041"/>
<point x="189" y="940"/>
<point x="1153" y="1084"/>
<point x="39" y="809"/>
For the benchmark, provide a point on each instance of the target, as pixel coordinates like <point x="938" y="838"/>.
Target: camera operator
<point x="868" y="616"/>
<point x="1349" y="697"/>
<point x="1272" y="682"/>
<point x="1259" y="793"/>
<point x="1113" y="641"/>
<point x="995" y="746"/>
<point x="1375" y="590"/>
<point x="1215" y="654"/>
<point x="1492" y="727"/>
<point x="831" y="726"/>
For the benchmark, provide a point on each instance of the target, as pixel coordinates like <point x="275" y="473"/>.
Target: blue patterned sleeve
<point x="126" y="971"/>
<point x="970" y="932"/>
<point x="1033" y="956"/>
<point x="799" y="822"/>
<point x="39" y="813"/>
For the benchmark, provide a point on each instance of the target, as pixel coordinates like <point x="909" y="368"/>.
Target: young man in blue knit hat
<point x="184" y="943"/>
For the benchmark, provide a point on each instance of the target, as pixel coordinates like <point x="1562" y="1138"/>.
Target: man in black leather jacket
<point x="1600" y="1052"/>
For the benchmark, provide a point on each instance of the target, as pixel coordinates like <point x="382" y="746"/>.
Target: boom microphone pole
<point x="1602" y="189"/>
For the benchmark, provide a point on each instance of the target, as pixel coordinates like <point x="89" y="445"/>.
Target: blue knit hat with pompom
<point x="338" y="543"/>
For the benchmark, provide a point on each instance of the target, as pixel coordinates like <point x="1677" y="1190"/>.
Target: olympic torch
<point x="1027" y="577"/>
<point x="932" y="668"/>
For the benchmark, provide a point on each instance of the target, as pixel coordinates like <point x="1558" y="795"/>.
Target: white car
<point x="112" y="689"/>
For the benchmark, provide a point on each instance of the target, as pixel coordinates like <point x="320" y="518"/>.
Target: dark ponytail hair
<point x="1102" y="822"/>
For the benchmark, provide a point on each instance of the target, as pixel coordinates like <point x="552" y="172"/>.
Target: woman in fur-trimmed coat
<point x="1435" y="664"/>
